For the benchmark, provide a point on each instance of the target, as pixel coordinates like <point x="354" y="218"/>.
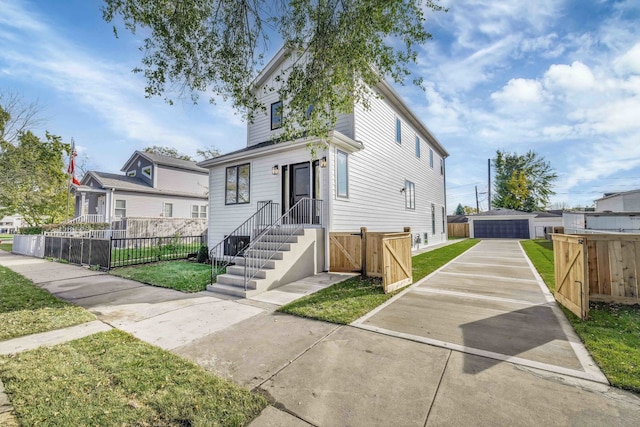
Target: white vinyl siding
<point x="174" y="179"/>
<point x="152" y="205"/>
<point x="378" y="172"/>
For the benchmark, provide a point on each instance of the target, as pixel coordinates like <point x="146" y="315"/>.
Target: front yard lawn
<point x="114" y="379"/>
<point x="612" y="332"/>
<point x="347" y="301"/>
<point x="182" y="276"/>
<point x="26" y="309"/>
<point x="6" y="246"/>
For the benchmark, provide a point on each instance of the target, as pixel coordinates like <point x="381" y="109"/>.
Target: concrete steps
<point x="296" y="257"/>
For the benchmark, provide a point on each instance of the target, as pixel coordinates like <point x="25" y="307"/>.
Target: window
<point x="417" y="147"/>
<point x="167" y="210"/>
<point x="431" y="158"/>
<point x="342" y="175"/>
<point x="276" y="115"/>
<point x="443" y="217"/>
<point x="121" y="208"/>
<point x="433" y="218"/>
<point x="198" y="211"/>
<point x="147" y="171"/>
<point x="409" y="195"/>
<point x="441" y="166"/>
<point x="131" y="173"/>
<point x="237" y="185"/>
<point x="398" y="131"/>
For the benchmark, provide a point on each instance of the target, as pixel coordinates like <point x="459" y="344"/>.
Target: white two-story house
<point x="381" y="169"/>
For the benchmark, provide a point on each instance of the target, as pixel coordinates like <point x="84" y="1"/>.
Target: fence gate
<point x="396" y="261"/>
<point x="572" y="278"/>
<point x="345" y="252"/>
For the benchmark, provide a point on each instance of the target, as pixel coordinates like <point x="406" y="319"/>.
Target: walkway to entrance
<point x="488" y="302"/>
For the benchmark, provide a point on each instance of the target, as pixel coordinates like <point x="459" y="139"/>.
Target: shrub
<point x="203" y="254"/>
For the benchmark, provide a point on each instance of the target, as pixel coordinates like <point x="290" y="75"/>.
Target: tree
<point x="339" y="49"/>
<point x="459" y="210"/>
<point x="17" y="115"/>
<point x="33" y="182"/>
<point x="167" y="151"/>
<point x="208" y="153"/>
<point x="522" y="182"/>
<point x="468" y="210"/>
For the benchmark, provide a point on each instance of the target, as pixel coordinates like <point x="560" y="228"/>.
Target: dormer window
<point x="147" y="171"/>
<point x="276" y="115"/>
<point x="131" y="173"/>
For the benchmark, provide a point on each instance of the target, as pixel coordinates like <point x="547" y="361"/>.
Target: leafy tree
<point x="33" y="181"/>
<point x="167" y="151"/>
<point x="459" y="210"/>
<point x="208" y="153"/>
<point x="468" y="210"/>
<point x="522" y="182"/>
<point x="339" y="50"/>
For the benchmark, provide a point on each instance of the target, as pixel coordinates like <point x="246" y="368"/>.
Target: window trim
<point x="226" y="171"/>
<point x="164" y="209"/>
<point x="346" y="174"/>
<point x="409" y="194"/>
<point x="417" y="146"/>
<point x="147" y="174"/>
<point x="441" y="166"/>
<point x="431" y="158"/>
<point x="198" y="211"/>
<point x="433" y="219"/>
<point x="131" y="173"/>
<point x="443" y="220"/>
<point x="278" y="125"/>
<point x="116" y="208"/>
<point x="398" y="131"/>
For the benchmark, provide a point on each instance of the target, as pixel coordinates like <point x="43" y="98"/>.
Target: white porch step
<point x="263" y="254"/>
<point x="238" y="270"/>
<point x="272" y="263"/>
<point x="273" y="245"/>
<point x="236" y="291"/>
<point x="279" y="238"/>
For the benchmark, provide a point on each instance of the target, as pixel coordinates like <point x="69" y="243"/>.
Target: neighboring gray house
<point x="627" y="201"/>
<point x="382" y="169"/>
<point x="152" y="185"/>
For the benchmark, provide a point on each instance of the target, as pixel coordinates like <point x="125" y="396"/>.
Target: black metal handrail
<point x="306" y="212"/>
<point x="226" y="251"/>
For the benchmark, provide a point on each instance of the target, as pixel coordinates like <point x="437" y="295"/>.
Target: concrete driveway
<point x="488" y="302"/>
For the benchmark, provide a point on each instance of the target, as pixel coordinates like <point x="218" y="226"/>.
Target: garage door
<point x="502" y="229"/>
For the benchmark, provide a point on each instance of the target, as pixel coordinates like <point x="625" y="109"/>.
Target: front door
<point x="100" y="208"/>
<point x="300" y="182"/>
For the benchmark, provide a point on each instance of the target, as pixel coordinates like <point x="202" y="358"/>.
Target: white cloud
<point x="574" y="77"/>
<point x="519" y="91"/>
<point x="629" y="63"/>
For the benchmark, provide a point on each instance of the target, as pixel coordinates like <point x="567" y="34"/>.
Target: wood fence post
<point x="363" y="250"/>
<point x="407" y="229"/>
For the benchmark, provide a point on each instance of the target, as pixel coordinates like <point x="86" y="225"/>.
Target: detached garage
<point x="502" y="224"/>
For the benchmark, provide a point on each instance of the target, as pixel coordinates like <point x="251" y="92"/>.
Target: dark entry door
<point x="300" y="182"/>
<point x="300" y="188"/>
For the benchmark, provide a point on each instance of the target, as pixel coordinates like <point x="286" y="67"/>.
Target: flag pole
<point x="70" y="173"/>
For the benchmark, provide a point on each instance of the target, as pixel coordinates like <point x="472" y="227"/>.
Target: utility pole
<point x="489" y="179"/>
<point x="477" y="205"/>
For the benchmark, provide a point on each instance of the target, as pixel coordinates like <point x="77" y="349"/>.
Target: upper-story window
<point x="417" y="146"/>
<point x="398" y="131"/>
<point x="147" y="171"/>
<point x="441" y="166"/>
<point x="431" y="158"/>
<point x="276" y="115"/>
<point x="237" y="184"/>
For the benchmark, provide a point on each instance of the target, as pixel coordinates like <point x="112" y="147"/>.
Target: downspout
<point x="329" y="217"/>
<point x="444" y="187"/>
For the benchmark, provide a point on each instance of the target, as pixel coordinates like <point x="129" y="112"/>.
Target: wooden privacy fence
<point x="375" y="254"/>
<point x="458" y="229"/>
<point x="606" y="265"/>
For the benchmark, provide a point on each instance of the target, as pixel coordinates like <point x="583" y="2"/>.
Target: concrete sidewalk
<point x="316" y="373"/>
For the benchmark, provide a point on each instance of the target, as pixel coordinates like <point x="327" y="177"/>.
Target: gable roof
<point x="131" y="183"/>
<point x="383" y="87"/>
<point x="163" y="160"/>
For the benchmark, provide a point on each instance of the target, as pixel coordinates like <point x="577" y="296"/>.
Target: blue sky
<point x="559" y="77"/>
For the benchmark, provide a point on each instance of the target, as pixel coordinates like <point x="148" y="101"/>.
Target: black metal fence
<point x="141" y="250"/>
<point x="119" y="252"/>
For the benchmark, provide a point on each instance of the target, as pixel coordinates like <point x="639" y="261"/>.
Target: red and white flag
<point x="71" y="169"/>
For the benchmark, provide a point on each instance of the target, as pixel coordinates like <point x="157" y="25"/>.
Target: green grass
<point x="6" y="246"/>
<point x="540" y="253"/>
<point x="612" y="332"/>
<point x="26" y="309"/>
<point x="6" y="236"/>
<point x="347" y="301"/>
<point x="113" y="379"/>
<point x="183" y="276"/>
<point x="163" y="252"/>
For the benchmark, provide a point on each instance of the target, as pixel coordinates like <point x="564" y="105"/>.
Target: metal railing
<point x="225" y="252"/>
<point x="305" y="213"/>
<point x="142" y="250"/>
<point x="89" y="234"/>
